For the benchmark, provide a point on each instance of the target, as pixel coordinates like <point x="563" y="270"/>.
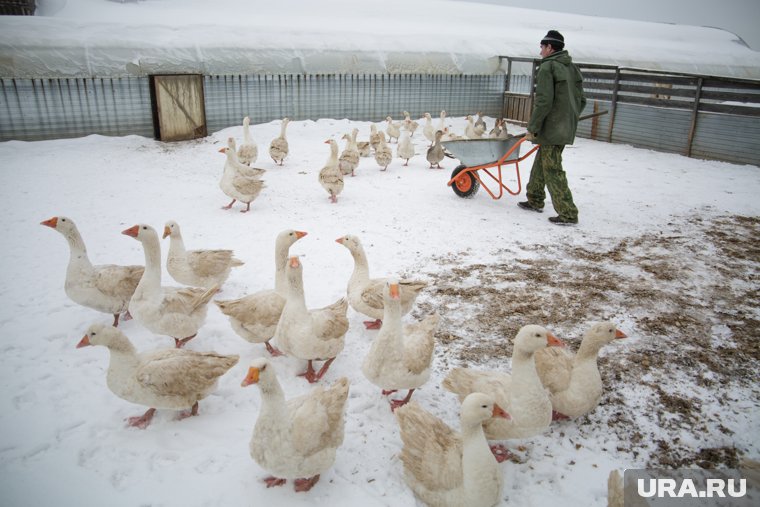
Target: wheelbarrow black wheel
<point x="466" y="185"/>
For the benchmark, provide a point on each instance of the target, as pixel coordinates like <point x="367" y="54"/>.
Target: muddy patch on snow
<point x="687" y="296"/>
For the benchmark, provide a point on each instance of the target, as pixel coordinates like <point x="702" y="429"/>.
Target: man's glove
<point x="529" y="136"/>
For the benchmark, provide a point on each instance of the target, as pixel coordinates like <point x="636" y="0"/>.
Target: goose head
<point x="531" y="338"/>
<point x="603" y="333"/>
<point x="260" y="372"/>
<point x="141" y="232"/>
<point x="105" y="335"/>
<point x="171" y="228"/>
<point x="350" y="241"/>
<point x="478" y="408"/>
<point x="62" y="224"/>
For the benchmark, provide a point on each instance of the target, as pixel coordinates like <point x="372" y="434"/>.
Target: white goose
<point x="278" y="148"/>
<point x="409" y="124"/>
<point x="375" y="136"/>
<point x="383" y="154"/>
<point x="106" y="288"/>
<point x="239" y="181"/>
<point x="349" y="159"/>
<point x="365" y="294"/>
<point x="297" y="438"/>
<point x="471" y="131"/>
<point x="199" y="268"/>
<point x="449" y="469"/>
<point x="330" y="176"/>
<point x="400" y="355"/>
<point x="255" y="317"/>
<point x="310" y="334"/>
<point x="521" y="393"/>
<point x="442" y="122"/>
<point x="428" y="130"/>
<point x="393" y="129"/>
<point x="573" y="379"/>
<point x="405" y="147"/>
<point x="168" y="379"/>
<point x="248" y="152"/>
<point x="173" y="311"/>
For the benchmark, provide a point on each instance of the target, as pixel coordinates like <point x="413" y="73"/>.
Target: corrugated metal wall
<point x="35" y="109"/>
<point x="363" y="97"/>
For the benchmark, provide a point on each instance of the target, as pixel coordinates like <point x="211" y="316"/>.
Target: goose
<point x="521" y="393"/>
<point x="405" y="147"/>
<point x="447" y="135"/>
<point x="310" y="334"/>
<point x="255" y="317"/>
<point x="471" y="131"/>
<point x="296" y="438"/>
<point x="479" y="123"/>
<point x="365" y="294"/>
<point x="495" y="132"/>
<point x="239" y="181"/>
<point x="278" y="148"/>
<point x="106" y="288"/>
<point x="173" y="311"/>
<point x="349" y="159"/>
<point x="573" y="380"/>
<point x="435" y="153"/>
<point x="167" y="379"/>
<point x="248" y="152"/>
<point x="427" y="130"/>
<point x="199" y="268"/>
<point x="442" y="121"/>
<point x="449" y="469"/>
<point x="393" y="129"/>
<point x="383" y="154"/>
<point x="365" y="150"/>
<point x="409" y="124"/>
<point x="375" y="136"/>
<point x="400" y="356"/>
<point x="330" y="176"/>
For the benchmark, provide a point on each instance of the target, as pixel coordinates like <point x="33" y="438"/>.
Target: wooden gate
<point x="178" y="107"/>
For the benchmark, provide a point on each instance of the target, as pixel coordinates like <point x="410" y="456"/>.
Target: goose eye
<point x="63" y="220"/>
<point x="484" y="406"/>
<point x="145" y="228"/>
<point x="263" y="368"/>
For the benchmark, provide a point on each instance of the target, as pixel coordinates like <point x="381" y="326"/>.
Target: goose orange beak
<point x="620" y="335"/>
<point x="553" y="341"/>
<point x="500" y="412"/>
<point x="221" y="150"/>
<point x="294" y="262"/>
<point x="84" y="342"/>
<point x="301" y="234"/>
<point x="394" y="291"/>
<point x="132" y="231"/>
<point x="339" y="240"/>
<point x="251" y="378"/>
<point x="50" y="222"/>
<point x="167" y="232"/>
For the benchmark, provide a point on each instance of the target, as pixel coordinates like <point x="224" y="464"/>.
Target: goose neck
<point x="77" y="249"/>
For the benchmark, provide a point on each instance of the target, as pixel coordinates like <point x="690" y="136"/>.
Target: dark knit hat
<point x="554" y="39"/>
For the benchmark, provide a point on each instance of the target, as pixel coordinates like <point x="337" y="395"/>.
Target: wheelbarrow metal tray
<point x="475" y="152"/>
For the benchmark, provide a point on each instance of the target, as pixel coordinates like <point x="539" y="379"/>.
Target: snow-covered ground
<point x="675" y="238"/>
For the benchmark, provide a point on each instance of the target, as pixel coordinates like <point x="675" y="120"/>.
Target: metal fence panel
<point x="652" y="127"/>
<point x="36" y="109"/>
<point x="727" y="137"/>
<point x="361" y="97"/>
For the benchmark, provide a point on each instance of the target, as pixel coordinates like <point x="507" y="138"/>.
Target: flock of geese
<point x="243" y="183"/>
<point x="297" y="438"/>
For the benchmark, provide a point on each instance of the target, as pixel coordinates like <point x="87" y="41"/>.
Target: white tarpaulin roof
<point x="98" y="38"/>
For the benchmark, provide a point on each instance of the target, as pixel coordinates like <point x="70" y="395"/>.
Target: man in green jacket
<point x="557" y="105"/>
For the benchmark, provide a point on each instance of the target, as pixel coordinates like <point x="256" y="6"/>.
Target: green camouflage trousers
<point x="547" y="172"/>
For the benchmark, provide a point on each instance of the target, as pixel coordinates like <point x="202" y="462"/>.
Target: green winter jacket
<point x="558" y="101"/>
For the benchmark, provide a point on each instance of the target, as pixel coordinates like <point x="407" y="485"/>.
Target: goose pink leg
<point x="309" y="374"/>
<point x="400" y="403"/>
<point x="189" y="413"/>
<point x="274" y="481"/>
<point x="274" y="351"/>
<point x="373" y="324"/>
<point x="141" y="421"/>
<point x="229" y="205"/>
<point x="181" y="343"/>
<point x="302" y="485"/>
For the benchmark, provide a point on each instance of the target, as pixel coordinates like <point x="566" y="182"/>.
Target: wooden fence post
<point x="694" y="114"/>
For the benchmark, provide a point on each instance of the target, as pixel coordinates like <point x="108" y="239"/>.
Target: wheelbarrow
<point x="485" y="155"/>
